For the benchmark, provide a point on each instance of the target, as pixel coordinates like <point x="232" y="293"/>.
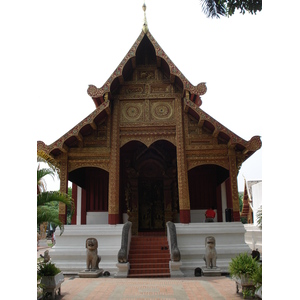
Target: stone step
<point x="149" y="270"/>
<point x="150" y="275"/>
<point x="148" y="251"/>
<point x="149" y="257"/>
<point x="141" y="265"/>
<point x="151" y="260"/>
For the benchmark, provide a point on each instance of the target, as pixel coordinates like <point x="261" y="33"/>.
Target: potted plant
<point x="51" y="278"/>
<point x="257" y="281"/>
<point x="242" y="269"/>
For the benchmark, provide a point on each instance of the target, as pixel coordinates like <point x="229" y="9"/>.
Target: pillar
<point x="183" y="187"/>
<point x="233" y="185"/>
<point x="74" y="196"/>
<point x="114" y="168"/>
<point x="62" y="210"/>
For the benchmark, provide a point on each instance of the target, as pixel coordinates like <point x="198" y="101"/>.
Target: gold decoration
<point x="201" y="88"/>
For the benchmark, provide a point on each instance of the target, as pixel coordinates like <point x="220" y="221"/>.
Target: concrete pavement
<point x="191" y="288"/>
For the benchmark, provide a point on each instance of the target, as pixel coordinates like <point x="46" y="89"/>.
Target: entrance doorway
<point x="151" y="204"/>
<point x="148" y="185"/>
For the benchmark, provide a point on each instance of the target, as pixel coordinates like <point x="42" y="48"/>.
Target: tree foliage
<point x="217" y="8"/>
<point x="47" y="201"/>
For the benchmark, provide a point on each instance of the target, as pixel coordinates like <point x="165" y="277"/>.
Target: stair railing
<point x="172" y="240"/>
<point x="125" y="243"/>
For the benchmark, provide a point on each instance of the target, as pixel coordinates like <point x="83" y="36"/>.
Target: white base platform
<point x="253" y="237"/>
<point x="230" y="241"/>
<point x="69" y="253"/>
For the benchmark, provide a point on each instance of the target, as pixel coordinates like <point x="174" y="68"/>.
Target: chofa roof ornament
<point x="145" y="25"/>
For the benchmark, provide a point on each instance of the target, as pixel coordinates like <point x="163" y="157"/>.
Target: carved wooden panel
<point x="133" y="111"/>
<point x="147" y="112"/>
<point x="162" y="110"/>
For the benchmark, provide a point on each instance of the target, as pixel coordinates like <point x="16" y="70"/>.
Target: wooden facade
<point x="148" y="150"/>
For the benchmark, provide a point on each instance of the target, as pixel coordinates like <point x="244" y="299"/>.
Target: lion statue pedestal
<point x="92" y="260"/>
<point x="210" y="258"/>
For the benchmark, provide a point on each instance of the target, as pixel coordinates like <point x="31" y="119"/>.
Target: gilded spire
<point x="145" y="25"/>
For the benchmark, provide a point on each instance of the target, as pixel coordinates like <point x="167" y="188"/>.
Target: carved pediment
<point x="147" y="111"/>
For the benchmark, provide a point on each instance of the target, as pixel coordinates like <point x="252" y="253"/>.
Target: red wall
<point x="202" y="187"/>
<point x="96" y="190"/>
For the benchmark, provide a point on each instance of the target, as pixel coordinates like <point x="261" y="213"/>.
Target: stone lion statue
<point x="46" y="256"/>
<point x="210" y="256"/>
<point x="92" y="257"/>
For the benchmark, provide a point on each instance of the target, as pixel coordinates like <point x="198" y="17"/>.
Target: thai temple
<point x="149" y="154"/>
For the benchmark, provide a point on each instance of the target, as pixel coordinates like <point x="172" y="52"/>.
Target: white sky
<point x="51" y="51"/>
<point x="83" y="43"/>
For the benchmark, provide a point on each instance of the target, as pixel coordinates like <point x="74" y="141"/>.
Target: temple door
<point x="151" y="204"/>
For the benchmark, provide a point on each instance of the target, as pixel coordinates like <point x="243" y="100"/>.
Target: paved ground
<point x="207" y="288"/>
<point x="194" y="288"/>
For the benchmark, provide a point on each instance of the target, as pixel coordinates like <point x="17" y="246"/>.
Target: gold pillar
<point x="233" y="184"/>
<point x="183" y="185"/>
<point x="62" y="211"/>
<point x="114" y="168"/>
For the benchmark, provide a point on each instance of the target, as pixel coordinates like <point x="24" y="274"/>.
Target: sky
<point x="83" y="43"/>
<point x="52" y="50"/>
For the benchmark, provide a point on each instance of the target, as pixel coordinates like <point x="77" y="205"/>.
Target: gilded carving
<point x="101" y="163"/>
<point x="141" y="111"/>
<point x="233" y="179"/>
<point x="146" y="74"/>
<point x="183" y="190"/>
<point x="147" y="139"/>
<point x="134" y="89"/>
<point x="162" y="110"/>
<point x="209" y="161"/>
<point x="114" y="169"/>
<point x="160" y="88"/>
<point x="132" y="111"/>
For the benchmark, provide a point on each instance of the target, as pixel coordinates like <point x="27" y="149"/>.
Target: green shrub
<point x="47" y="269"/>
<point x="257" y="278"/>
<point x="243" y="264"/>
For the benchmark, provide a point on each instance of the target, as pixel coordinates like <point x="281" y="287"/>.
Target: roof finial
<point x="145" y="25"/>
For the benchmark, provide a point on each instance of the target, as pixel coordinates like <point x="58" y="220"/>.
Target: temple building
<point x="148" y="153"/>
<point x="252" y="201"/>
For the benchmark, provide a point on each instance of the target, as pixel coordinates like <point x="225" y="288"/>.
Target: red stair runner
<point x="149" y="256"/>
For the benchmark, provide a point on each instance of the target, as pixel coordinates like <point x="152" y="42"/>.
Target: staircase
<point x="149" y="256"/>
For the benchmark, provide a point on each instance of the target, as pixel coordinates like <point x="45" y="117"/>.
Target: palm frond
<point x="41" y="183"/>
<point x="50" y="214"/>
<point x="213" y="8"/>
<point x="47" y="197"/>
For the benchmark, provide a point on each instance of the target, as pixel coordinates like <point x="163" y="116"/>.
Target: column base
<point x="185" y="216"/>
<point x="113" y="219"/>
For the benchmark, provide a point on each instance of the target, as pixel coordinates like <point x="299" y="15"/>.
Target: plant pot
<point x="244" y="282"/>
<point x="258" y="293"/>
<point x="52" y="283"/>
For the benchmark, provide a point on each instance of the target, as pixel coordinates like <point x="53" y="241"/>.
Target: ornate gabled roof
<point x="191" y="97"/>
<point x="63" y="143"/>
<point x="220" y="131"/>
<point x="129" y="63"/>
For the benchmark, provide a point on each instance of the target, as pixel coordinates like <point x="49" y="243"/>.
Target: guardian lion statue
<point x="92" y="257"/>
<point x="210" y="256"/>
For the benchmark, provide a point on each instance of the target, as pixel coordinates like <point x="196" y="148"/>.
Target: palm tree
<point x="213" y="8"/>
<point x="46" y="211"/>
<point x="217" y="8"/>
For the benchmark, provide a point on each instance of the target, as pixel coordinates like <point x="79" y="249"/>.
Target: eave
<point x="233" y="141"/>
<point x="76" y="134"/>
